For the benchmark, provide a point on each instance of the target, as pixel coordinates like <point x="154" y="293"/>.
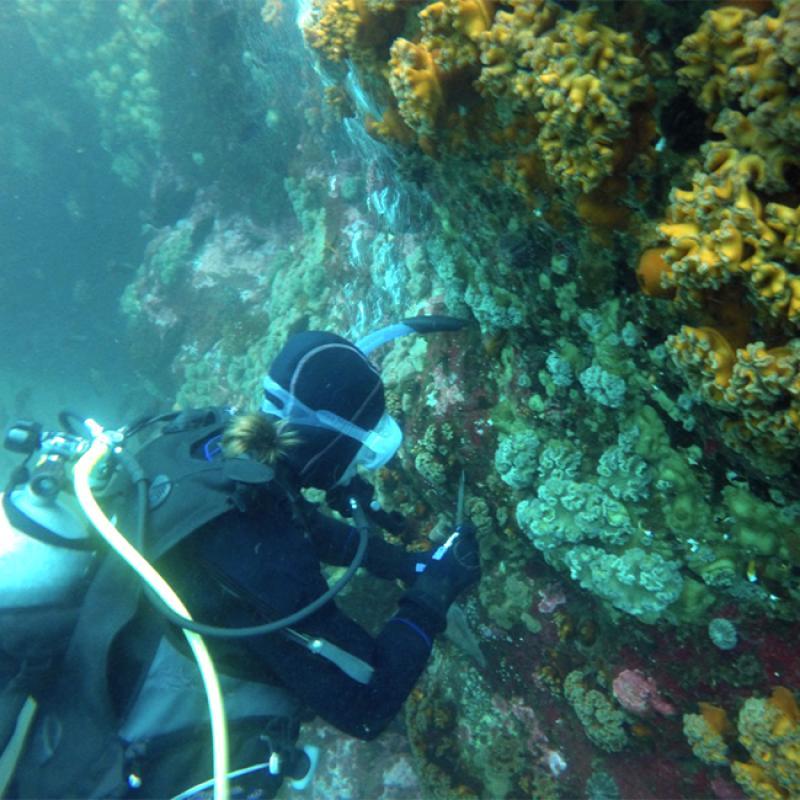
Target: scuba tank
<point x="45" y="547"/>
<point x="46" y="552"/>
<point x="40" y="570"/>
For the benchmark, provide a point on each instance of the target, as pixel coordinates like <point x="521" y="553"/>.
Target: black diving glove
<point x="453" y="567"/>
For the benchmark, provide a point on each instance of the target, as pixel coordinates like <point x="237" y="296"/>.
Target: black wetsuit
<point x="273" y="562"/>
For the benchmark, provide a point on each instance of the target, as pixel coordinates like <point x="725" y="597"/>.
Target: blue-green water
<point x="607" y="197"/>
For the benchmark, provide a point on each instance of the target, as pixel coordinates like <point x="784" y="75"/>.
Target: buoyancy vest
<point x="190" y="482"/>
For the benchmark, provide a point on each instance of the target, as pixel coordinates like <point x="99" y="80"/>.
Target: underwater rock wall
<point x="651" y="467"/>
<point x="546" y="134"/>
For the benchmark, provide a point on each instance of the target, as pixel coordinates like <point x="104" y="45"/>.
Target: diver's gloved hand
<point x="453" y="567"/>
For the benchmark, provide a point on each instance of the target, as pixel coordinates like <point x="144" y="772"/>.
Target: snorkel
<point x="433" y="323"/>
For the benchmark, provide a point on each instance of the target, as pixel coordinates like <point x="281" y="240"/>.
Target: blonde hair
<point x="258" y="436"/>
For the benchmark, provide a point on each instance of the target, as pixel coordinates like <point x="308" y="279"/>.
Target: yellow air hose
<point x="101" y="446"/>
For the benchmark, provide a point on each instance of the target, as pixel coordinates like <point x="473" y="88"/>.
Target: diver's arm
<point x="336" y="542"/>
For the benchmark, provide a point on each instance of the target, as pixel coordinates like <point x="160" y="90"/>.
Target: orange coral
<point x="762" y="384"/>
<point x="474" y="17"/>
<point x="765" y="75"/>
<point x="716" y="718"/>
<point x="733" y="230"/>
<point x="447" y="51"/>
<point x="706" y="733"/>
<point x="756" y="781"/>
<point x="512" y="34"/>
<point x="768" y="728"/>
<point x="416" y="82"/>
<point x="583" y="78"/>
<point x="737" y="58"/>
<point x="709" y="54"/>
<point x="707" y="358"/>
<point x="337" y="28"/>
<point x="720" y="230"/>
<point x="334" y="27"/>
<point x="765" y="160"/>
<point x="652" y="273"/>
<point x="785" y="702"/>
<point x="447" y="33"/>
<point x="470" y="18"/>
<point x="578" y="78"/>
<point x="390" y="127"/>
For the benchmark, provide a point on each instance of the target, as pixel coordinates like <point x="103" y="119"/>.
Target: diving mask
<point x="377" y="445"/>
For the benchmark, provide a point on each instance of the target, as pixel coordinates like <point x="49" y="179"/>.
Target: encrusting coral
<point x="720" y="230"/>
<point x="738" y="57"/>
<point x="453" y="28"/>
<point x="578" y="78"/>
<point x="338" y="28"/>
<point x="760" y="384"/>
<point x="447" y="52"/>
<point x="416" y="81"/>
<point x="706" y="733"/>
<point x="578" y="82"/>
<point x="601" y="719"/>
<point x="512" y="34"/>
<point x="709" y="53"/>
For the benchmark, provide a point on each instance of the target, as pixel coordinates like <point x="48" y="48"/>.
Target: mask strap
<point x="298" y="413"/>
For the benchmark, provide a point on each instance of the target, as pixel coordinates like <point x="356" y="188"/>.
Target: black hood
<point x="325" y="371"/>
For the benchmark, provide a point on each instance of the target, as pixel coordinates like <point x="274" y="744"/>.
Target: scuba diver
<point x="97" y="659"/>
